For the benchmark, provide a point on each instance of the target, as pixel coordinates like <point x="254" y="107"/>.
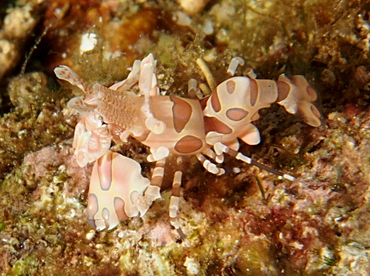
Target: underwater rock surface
<point x="316" y="225"/>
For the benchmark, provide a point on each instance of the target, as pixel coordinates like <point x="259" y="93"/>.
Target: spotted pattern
<point x="214" y="124"/>
<point x="188" y="144"/>
<point x="181" y="113"/>
<point x="255" y="117"/>
<point x="119" y="206"/>
<point x="315" y="111"/>
<point x="253" y="91"/>
<point x="312" y="93"/>
<point x="215" y="101"/>
<point x="230" y="86"/>
<point x="283" y="90"/>
<point x="92" y="209"/>
<point x="236" y="114"/>
<point x="105" y="179"/>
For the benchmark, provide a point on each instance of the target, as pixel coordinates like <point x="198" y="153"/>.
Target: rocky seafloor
<point x="318" y="224"/>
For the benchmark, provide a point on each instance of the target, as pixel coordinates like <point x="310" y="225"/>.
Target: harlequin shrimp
<point x="207" y="128"/>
